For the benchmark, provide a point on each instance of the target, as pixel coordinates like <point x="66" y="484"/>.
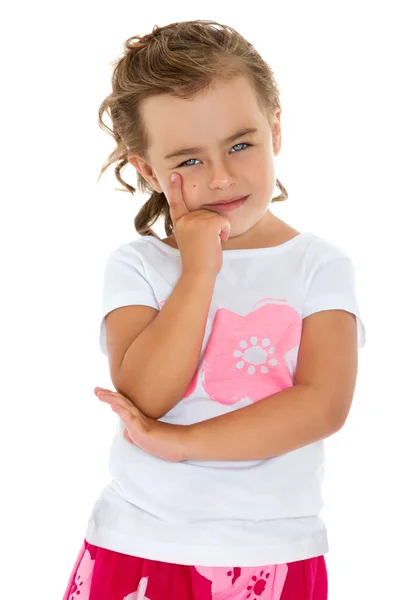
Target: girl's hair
<point x="182" y="59"/>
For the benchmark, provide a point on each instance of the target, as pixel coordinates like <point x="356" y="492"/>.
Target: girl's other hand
<point x="154" y="437"/>
<point x="198" y="233"/>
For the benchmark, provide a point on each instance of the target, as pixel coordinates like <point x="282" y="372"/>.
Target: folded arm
<point x="314" y="408"/>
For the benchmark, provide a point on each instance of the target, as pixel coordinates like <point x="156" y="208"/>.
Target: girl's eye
<point x="185" y="164"/>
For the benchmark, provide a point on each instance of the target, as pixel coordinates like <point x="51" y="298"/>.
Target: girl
<point x="232" y="342"/>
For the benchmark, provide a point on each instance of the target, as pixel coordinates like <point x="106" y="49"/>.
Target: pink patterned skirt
<point x="101" y="574"/>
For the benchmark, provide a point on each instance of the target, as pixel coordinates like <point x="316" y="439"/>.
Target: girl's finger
<point x="105" y="396"/>
<point x="114" y="399"/>
<point x="127" y="436"/>
<point x="123" y="410"/>
<point x="177" y="206"/>
<point x="100" y="389"/>
<point x="108" y="394"/>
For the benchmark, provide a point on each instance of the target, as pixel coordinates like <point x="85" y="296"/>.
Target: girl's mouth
<point x="228" y="207"/>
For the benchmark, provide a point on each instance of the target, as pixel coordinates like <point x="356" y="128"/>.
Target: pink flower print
<point x="245" y="356"/>
<point x="140" y="593"/>
<point x="83" y="578"/>
<point x="192" y="385"/>
<point x="246" y="583"/>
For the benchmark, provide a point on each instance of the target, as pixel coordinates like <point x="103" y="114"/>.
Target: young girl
<point x="232" y="343"/>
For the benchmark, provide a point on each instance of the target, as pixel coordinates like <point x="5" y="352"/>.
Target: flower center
<point x="255" y="355"/>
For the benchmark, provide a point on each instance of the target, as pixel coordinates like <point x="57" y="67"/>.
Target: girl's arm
<point x="159" y="363"/>
<point x="314" y="408"/>
<point x="154" y="366"/>
<point x="281" y="423"/>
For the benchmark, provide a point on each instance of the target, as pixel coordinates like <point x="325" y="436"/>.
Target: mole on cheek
<point x="194" y="185"/>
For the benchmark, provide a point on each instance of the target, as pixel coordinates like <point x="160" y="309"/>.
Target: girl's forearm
<point x="160" y="363"/>
<point x="278" y="424"/>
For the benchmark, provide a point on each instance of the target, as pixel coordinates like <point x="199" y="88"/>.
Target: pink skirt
<point x="101" y="574"/>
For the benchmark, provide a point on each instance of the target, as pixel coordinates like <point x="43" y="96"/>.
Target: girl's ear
<point x="146" y="171"/>
<point x="277" y="143"/>
<point x="276" y="134"/>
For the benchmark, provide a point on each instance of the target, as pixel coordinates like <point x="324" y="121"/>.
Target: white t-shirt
<point x="228" y="513"/>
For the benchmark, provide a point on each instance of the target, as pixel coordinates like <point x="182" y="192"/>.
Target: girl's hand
<point x="198" y="233"/>
<point x="159" y="439"/>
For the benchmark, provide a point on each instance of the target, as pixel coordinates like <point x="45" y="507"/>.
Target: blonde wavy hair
<point x="181" y="59"/>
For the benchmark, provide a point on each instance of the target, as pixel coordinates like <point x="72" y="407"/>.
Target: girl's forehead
<point x="224" y="93"/>
<point x="216" y="114"/>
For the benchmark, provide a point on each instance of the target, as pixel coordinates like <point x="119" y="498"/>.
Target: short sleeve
<point x="332" y="286"/>
<point x="124" y="284"/>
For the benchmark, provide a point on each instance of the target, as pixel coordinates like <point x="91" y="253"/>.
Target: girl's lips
<point x="229" y="206"/>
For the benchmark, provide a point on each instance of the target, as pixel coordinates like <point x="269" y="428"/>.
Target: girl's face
<point x="213" y="167"/>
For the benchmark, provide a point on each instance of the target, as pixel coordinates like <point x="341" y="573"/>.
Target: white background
<point x="337" y="70"/>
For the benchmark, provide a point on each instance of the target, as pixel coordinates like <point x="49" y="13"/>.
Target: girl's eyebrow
<point x="231" y="138"/>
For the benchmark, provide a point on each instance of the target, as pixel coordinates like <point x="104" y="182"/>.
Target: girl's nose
<point x="220" y="178"/>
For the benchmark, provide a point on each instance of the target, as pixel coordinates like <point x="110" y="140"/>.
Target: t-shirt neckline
<point x="235" y="251"/>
